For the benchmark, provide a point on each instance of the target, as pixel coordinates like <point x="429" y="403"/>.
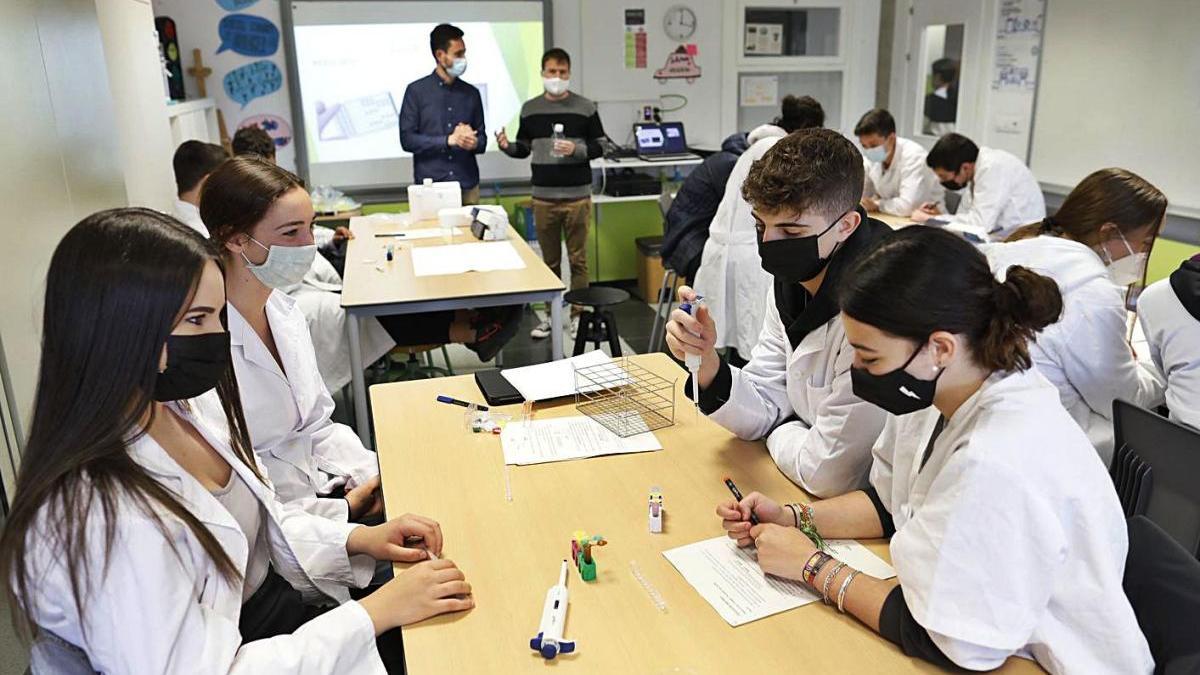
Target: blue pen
<point x="442" y="398"/>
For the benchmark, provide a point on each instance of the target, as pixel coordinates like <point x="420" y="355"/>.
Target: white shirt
<point x="827" y="450"/>
<point x="1085" y="354"/>
<point x="1002" y="197"/>
<point x="158" y="604"/>
<point x="1011" y="540"/>
<point x="731" y="277"/>
<point x="1174" y="338"/>
<point x="906" y="183"/>
<point x="288" y="413"/>
<point x="319" y="298"/>
<point x="189" y="214"/>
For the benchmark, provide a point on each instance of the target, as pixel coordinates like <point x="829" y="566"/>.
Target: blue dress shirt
<point x="428" y="115"/>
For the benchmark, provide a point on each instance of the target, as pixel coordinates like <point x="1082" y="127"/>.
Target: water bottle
<point x="555" y="138"/>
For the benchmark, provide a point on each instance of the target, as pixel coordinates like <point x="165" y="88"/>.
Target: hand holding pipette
<point x="691" y="337"/>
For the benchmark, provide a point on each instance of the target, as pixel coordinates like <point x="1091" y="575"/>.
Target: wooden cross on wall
<point x="201" y="72"/>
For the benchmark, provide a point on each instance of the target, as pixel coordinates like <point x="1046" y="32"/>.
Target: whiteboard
<point x="1120" y="86"/>
<point x="617" y="89"/>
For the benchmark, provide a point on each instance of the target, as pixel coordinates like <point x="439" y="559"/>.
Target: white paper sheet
<point x="553" y="379"/>
<point x="458" y="258"/>
<point x="415" y="233"/>
<point x="730" y="579"/>
<point x="564" y="438"/>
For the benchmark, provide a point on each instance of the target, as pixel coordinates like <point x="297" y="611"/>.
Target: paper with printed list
<point x="564" y="438"/>
<point x="485" y="256"/>
<point x="729" y="577"/>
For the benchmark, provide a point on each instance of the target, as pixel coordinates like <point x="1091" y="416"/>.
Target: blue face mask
<point x="457" y="68"/>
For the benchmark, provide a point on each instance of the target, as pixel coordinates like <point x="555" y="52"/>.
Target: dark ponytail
<point x="922" y="280"/>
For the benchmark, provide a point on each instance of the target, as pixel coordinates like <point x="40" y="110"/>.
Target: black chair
<point x="1156" y="470"/>
<point x="597" y="324"/>
<point x="1162" y="582"/>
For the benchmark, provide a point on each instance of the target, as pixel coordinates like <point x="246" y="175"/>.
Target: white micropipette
<point x="549" y="641"/>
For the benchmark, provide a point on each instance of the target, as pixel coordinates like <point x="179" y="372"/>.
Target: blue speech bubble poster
<point x="253" y="80"/>
<point x="235" y="5"/>
<point x="248" y="35"/>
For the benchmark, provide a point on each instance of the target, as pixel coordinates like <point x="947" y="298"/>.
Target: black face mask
<point x="953" y="186"/>
<point x="796" y="259"/>
<point x="897" y="391"/>
<point x="194" y="365"/>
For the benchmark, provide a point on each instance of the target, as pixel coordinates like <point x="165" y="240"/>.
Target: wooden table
<point x="896" y="222"/>
<point x="511" y="551"/>
<point x="372" y="286"/>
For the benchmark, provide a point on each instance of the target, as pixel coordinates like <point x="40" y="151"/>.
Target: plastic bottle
<point x="555" y="138"/>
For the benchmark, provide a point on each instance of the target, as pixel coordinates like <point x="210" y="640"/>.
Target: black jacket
<point x="687" y="221"/>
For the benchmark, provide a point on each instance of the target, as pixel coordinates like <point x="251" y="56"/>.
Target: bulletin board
<point x="610" y="64"/>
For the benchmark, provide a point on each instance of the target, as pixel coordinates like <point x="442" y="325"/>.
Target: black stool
<point x="597" y="323"/>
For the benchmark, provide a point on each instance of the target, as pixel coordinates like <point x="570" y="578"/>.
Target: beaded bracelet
<point x="829" y="580"/>
<point x="842" y="592"/>
<point x="805" y="524"/>
<point x="813" y="567"/>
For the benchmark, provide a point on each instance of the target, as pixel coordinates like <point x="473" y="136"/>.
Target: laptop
<point x="663" y="142"/>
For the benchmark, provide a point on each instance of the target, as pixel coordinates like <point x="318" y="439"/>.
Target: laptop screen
<point x="658" y="139"/>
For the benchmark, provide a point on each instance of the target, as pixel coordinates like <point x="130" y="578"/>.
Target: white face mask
<point x="1128" y="270"/>
<point x="555" y="86"/>
<point x="876" y="155"/>
<point x="285" y="265"/>
<point x="457" y="67"/>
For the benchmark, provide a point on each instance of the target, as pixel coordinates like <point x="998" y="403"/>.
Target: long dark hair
<point x="1112" y="195"/>
<point x="921" y="280"/>
<point x="239" y="193"/>
<point x="118" y="284"/>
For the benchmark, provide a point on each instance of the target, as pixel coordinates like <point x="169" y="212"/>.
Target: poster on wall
<point x="240" y="40"/>
<point x="635" y="39"/>
<point x="759" y="90"/>
<point x="764" y="39"/>
<point x="1018" y="44"/>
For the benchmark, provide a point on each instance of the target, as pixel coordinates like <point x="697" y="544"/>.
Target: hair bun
<point x="1023" y="304"/>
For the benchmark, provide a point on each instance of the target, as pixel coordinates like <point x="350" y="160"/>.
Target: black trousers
<point x="278" y="609"/>
<point x="428" y="328"/>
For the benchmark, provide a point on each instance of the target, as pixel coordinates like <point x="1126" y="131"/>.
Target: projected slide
<point x="353" y="77"/>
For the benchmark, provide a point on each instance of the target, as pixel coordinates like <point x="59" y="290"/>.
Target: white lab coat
<point x="731" y="277"/>
<point x="189" y="214"/>
<point x="158" y="604"/>
<point x="320" y="299"/>
<point x="1086" y="354"/>
<point x="1011" y="540"/>
<point x="1174" y="338"/>
<point x="1002" y="197"/>
<point x="906" y="184"/>
<point x="288" y="413"/>
<point x="827" y="451"/>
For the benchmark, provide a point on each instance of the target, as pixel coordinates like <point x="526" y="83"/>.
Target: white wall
<point x="1121" y="87"/>
<point x="196" y="23"/>
<point x="135" y="82"/>
<point x="59" y="160"/>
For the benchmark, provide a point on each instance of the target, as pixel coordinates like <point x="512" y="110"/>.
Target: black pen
<point x="442" y="398"/>
<point x="738" y="496"/>
<point x="392" y="234"/>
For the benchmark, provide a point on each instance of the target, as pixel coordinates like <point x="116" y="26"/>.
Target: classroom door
<point x="942" y="74"/>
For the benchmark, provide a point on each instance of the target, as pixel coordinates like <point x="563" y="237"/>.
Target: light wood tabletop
<point x="366" y="284"/>
<point x="372" y="285"/>
<point x="511" y="551"/>
<point x="896" y="222"/>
